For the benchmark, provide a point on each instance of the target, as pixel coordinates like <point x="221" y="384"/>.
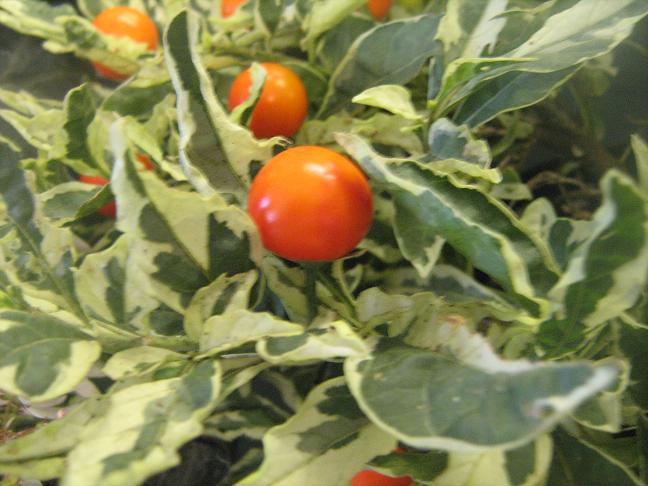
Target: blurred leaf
<point x="140" y="427"/>
<point x="326" y="442"/>
<point x="579" y="463"/>
<point x="460" y="396"/>
<point x="43" y="357"/>
<point x="428" y="206"/>
<point x="369" y="63"/>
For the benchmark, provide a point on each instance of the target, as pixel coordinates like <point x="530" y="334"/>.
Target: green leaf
<point x="318" y="343"/>
<point x="37" y="469"/>
<point x="326" y="442"/>
<point x="80" y="109"/>
<point x="588" y="29"/>
<point x="469" y="27"/>
<point x="227" y="331"/>
<point x="640" y="149"/>
<point x="391" y="53"/>
<point x="137" y="361"/>
<point x="336" y="42"/>
<point x="223" y="295"/>
<point x="385" y="129"/>
<point x="508" y="92"/>
<point x="63" y="203"/>
<point x="607" y="272"/>
<point x="180" y="240"/>
<point x="425" y="467"/>
<point x="42" y="356"/>
<point x="34" y="18"/>
<point x="525" y="466"/>
<point x="140" y="427"/>
<point x="112" y="289"/>
<point x="244" y="413"/>
<point x="51" y="247"/>
<point x="51" y="439"/>
<point x="390" y="97"/>
<point x="633" y="341"/>
<point x="267" y="15"/>
<point x="216" y="153"/>
<point x="449" y="141"/>
<point x="322" y="16"/>
<point x="137" y="96"/>
<point x="429" y="206"/>
<point x="579" y="463"/>
<point x="604" y="412"/>
<point x="460" y="396"/>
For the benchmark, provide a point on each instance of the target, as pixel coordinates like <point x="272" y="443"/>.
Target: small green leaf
<point x="319" y="343"/>
<point x="241" y="326"/>
<point x="390" y="97"/>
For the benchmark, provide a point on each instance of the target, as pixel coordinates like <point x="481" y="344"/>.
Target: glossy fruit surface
<point x="282" y="106"/>
<point x="310" y="204"/>
<point x="374" y="478"/>
<point x="228" y="7"/>
<point x="128" y="22"/>
<point x="379" y="8"/>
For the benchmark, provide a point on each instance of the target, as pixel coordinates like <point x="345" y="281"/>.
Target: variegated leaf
<point x="429" y="206"/>
<point x="326" y="442"/>
<point x="139" y="428"/>
<point x="42" y="356"/>
<point x="460" y="396"/>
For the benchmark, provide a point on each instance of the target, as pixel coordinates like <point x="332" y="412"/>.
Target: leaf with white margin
<point x="322" y="16"/>
<point x="289" y="284"/>
<point x="390" y="53"/>
<point x="525" y="466"/>
<point x="326" y="442"/>
<point x="382" y="128"/>
<point x="230" y="330"/>
<point x="138" y="361"/>
<point x="43" y="357"/>
<point x="215" y="152"/>
<point x="583" y="464"/>
<point x="563" y="234"/>
<point x="429" y="206"/>
<point x="449" y="141"/>
<point x="640" y="149"/>
<point x="139" y="428"/>
<point x="470" y="26"/>
<point x="390" y="97"/>
<point x="607" y="272"/>
<point x="63" y="202"/>
<point x="585" y="30"/>
<point x="244" y="413"/>
<point x="318" y="343"/>
<point x="603" y="412"/>
<point x="458" y="395"/>
<point x="223" y="295"/>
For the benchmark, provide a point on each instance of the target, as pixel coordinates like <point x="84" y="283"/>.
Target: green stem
<point x="311" y="270"/>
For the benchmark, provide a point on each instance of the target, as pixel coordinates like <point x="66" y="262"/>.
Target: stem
<point x="311" y="270"/>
